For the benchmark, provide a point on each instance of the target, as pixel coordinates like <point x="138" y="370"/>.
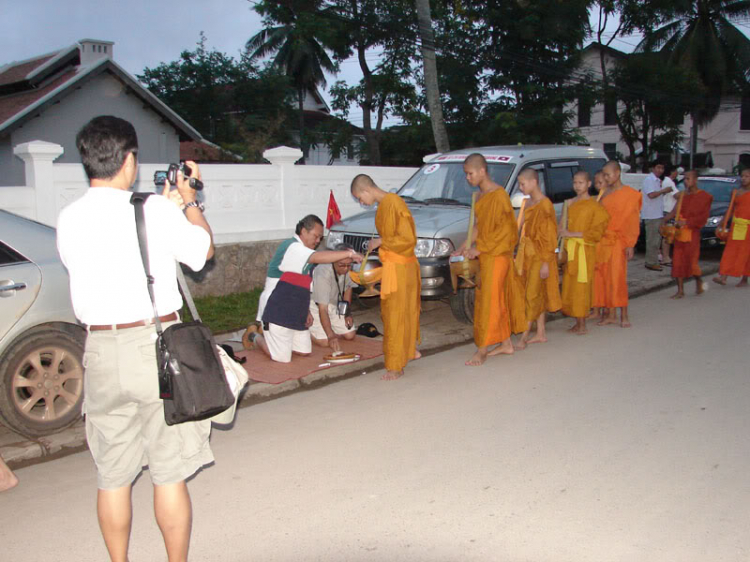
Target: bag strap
<point x="186" y="294"/>
<point x="138" y="200"/>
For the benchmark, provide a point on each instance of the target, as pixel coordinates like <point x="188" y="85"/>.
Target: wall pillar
<point x="284" y="157"/>
<point x="38" y="157"/>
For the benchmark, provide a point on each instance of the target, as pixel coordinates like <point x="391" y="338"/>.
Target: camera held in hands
<point x="161" y="176"/>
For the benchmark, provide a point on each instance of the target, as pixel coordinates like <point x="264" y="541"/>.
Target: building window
<point x="610" y="149"/>
<point x="610" y="110"/>
<point x="745" y="114"/>
<point x="584" y="112"/>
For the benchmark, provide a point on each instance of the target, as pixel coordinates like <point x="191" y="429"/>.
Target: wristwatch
<point x="196" y="204"/>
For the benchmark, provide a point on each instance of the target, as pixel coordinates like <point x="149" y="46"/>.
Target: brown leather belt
<point x="166" y="318"/>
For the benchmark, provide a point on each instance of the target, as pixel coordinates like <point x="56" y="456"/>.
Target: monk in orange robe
<point x="498" y="302"/>
<point x="623" y="204"/>
<point x="735" y="261"/>
<point x="599" y="310"/>
<point x="401" y="282"/>
<point x="696" y="208"/>
<point x="587" y="221"/>
<point x="536" y="260"/>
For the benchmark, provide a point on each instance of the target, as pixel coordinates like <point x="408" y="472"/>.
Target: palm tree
<point x="701" y="37"/>
<point x="299" y="54"/>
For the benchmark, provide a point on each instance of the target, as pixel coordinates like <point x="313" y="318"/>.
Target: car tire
<point x="41" y="382"/>
<point x="462" y="305"/>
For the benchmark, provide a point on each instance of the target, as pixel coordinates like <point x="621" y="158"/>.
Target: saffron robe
<point x="538" y="245"/>
<point x="499" y="300"/>
<point x="611" y="278"/>
<point x="401" y="283"/>
<point x="735" y="261"/>
<point x="696" y="208"/>
<point x="589" y="218"/>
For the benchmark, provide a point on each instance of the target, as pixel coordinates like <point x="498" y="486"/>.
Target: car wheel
<point x="41" y="383"/>
<point x="462" y="305"/>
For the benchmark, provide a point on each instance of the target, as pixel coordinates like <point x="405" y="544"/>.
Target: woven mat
<point x="260" y="368"/>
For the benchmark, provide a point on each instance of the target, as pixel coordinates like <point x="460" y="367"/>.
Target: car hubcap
<point x="47" y="384"/>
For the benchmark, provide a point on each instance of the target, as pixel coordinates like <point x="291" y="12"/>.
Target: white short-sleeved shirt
<point x="669" y="199"/>
<point x="652" y="208"/>
<point x="97" y="241"/>
<point x="325" y="290"/>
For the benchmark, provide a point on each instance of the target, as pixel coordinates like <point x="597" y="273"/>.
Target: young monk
<point x="401" y="283"/>
<point x="623" y="204"/>
<point x="536" y="260"/>
<point x="587" y="221"/>
<point x="696" y="208"/>
<point x="599" y="311"/>
<point x="498" y="302"/>
<point x="735" y="261"/>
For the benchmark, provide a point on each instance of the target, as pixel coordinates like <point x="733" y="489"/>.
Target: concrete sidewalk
<point x="440" y="331"/>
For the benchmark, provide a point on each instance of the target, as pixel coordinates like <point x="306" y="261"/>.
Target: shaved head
<point x="529" y="173"/>
<point x="360" y="182"/>
<point x="613" y="165"/>
<point x="584" y="174"/>
<point x="474" y="161"/>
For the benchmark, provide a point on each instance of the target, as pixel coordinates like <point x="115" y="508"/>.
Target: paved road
<point x="625" y="445"/>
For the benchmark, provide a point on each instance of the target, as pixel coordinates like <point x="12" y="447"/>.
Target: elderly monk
<point x="401" y="283"/>
<point x="623" y="204"/>
<point x="536" y="260"/>
<point x="695" y="210"/>
<point x="735" y="261"/>
<point x="587" y="221"/>
<point x="498" y="302"/>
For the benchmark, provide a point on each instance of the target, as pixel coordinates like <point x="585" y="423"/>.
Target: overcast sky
<point x="145" y="32"/>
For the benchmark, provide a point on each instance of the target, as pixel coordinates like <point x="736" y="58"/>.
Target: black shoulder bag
<point x="192" y="382"/>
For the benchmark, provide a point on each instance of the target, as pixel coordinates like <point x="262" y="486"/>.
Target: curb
<point x="73" y="440"/>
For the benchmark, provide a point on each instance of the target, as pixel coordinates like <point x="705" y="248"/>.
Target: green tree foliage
<point x="230" y="102"/>
<point x="296" y="34"/>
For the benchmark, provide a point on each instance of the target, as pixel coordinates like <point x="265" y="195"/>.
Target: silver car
<point x="41" y="344"/>
<point x="439" y="198"/>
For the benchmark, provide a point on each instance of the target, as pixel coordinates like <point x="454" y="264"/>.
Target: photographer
<point x="330" y="306"/>
<point x="125" y="427"/>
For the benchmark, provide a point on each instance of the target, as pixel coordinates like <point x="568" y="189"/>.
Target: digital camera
<point x="170" y="175"/>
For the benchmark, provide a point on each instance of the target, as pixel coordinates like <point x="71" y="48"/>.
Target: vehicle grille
<point x="358" y="242"/>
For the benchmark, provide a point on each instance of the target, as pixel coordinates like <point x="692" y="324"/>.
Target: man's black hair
<point x="104" y="143"/>
<point x="308" y="223"/>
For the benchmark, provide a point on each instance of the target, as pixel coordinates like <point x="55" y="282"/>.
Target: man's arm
<point x="331" y="256"/>
<point x="186" y="194"/>
<point x="325" y="322"/>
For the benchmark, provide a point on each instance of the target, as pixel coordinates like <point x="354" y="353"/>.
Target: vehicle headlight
<point x="334" y="239"/>
<point x="431" y="248"/>
<point x="714" y="221"/>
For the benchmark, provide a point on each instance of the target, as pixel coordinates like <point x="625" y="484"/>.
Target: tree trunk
<point x="693" y="140"/>
<point x="373" y="141"/>
<point x="431" y="77"/>
<point x="302" y="144"/>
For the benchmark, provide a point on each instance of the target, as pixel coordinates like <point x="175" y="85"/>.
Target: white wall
<point x="244" y="202"/>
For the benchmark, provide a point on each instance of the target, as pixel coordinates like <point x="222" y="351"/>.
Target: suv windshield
<point x="445" y="183"/>
<point x="719" y="188"/>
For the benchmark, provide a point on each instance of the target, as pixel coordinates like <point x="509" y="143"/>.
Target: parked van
<point x="439" y="199"/>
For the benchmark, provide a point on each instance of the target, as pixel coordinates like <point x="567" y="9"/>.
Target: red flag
<point x="334" y="215"/>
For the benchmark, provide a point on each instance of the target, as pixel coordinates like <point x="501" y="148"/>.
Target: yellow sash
<point x="389" y="283"/>
<point x="739" y="228"/>
<point x="574" y="245"/>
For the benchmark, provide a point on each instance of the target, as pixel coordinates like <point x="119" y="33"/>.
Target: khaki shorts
<point x="338" y="323"/>
<point x="125" y="426"/>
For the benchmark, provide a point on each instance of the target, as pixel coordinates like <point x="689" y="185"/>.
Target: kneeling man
<point x="330" y="306"/>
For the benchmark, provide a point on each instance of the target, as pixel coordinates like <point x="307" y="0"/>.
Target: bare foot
<point x="581" y="331"/>
<point x="8" y="480"/>
<point x="678" y="295"/>
<point x="417" y="355"/>
<point x="521" y="344"/>
<point x="594" y="315"/>
<point x="699" y="288"/>
<point x="478" y="358"/>
<point x="392" y="375"/>
<point x="719" y="280"/>
<point x="505" y="348"/>
<point x="573" y="329"/>
<point x="538" y="339"/>
<point x="742" y="283"/>
<point x="625" y="324"/>
<point x="609" y="320"/>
